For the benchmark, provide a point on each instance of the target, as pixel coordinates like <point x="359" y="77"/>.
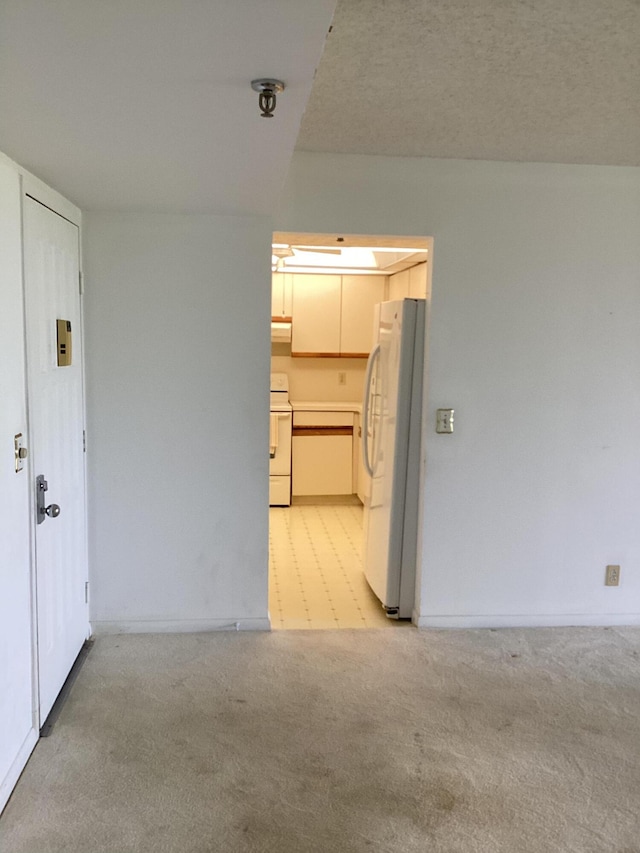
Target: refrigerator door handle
<point x="373" y="356"/>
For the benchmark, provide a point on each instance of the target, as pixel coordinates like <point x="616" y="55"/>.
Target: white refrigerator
<point x="391" y="427"/>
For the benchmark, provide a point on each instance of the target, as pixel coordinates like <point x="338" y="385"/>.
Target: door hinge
<point x="84" y="441"/>
<point x="80" y="288"/>
<point x="86" y="592"/>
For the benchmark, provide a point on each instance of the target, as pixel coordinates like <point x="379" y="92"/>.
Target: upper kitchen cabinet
<point x="316" y="315"/>
<point x="409" y="284"/>
<point x="281" y="294"/>
<point x="360" y="293"/>
<point x="399" y="285"/>
<point x="333" y="315"/>
<point x="418" y="282"/>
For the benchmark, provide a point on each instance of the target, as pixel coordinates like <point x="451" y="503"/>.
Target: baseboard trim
<point x="180" y="626"/>
<point x="561" y="620"/>
<point x="9" y="781"/>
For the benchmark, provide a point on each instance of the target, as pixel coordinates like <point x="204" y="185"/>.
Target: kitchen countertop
<point x="315" y="406"/>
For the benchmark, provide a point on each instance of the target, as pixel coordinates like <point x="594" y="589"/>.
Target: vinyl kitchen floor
<point x="315" y="570"/>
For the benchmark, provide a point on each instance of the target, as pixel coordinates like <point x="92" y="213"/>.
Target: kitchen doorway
<point x="325" y="289"/>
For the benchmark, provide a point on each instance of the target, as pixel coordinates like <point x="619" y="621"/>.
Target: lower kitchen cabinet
<point x="361" y="479"/>
<point x="322" y="464"/>
<point x="322" y="453"/>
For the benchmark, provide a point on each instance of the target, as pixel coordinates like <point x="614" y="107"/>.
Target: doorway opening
<point x="341" y="514"/>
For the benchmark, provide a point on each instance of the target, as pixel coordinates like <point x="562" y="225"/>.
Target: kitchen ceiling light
<point x="396" y="249"/>
<point x="348" y="257"/>
<point x="267" y="89"/>
<point x="332" y="270"/>
<point x="281" y="251"/>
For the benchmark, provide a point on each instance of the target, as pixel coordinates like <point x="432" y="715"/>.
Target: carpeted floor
<point x="510" y="741"/>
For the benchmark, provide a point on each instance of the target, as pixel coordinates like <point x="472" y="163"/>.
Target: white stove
<point x="280" y="420"/>
<point x="280" y="393"/>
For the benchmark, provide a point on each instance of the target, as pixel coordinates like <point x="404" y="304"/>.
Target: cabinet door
<point x="281" y="294"/>
<point x="360" y="293"/>
<point x="322" y="465"/>
<point x="287" y="294"/>
<point x="357" y="451"/>
<point x="316" y="315"/>
<point x="418" y="282"/>
<point x="361" y="479"/>
<point x="277" y="290"/>
<point x="399" y="285"/>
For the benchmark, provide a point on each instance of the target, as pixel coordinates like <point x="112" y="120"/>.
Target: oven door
<point x="280" y="449"/>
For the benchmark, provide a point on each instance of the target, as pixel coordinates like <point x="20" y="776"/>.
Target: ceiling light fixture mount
<point x="267" y="89"/>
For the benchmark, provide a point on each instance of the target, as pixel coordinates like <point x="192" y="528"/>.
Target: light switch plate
<point x="444" y="420"/>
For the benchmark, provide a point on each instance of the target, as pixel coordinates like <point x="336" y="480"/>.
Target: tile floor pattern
<point x="315" y="570"/>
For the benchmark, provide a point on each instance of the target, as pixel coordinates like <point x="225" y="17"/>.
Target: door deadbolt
<point x="20" y="452"/>
<point x="53" y="510"/>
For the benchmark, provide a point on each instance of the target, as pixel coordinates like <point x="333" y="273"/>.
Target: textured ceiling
<point x="147" y="105"/>
<point x="532" y="80"/>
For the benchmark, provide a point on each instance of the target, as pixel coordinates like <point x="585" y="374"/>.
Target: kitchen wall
<point x="316" y="379"/>
<point x="177" y="330"/>
<point x="534" y="343"/>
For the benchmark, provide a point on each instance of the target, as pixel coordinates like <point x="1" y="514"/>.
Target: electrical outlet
<point x="612" y="576"/>
<point x="342" y="378"/>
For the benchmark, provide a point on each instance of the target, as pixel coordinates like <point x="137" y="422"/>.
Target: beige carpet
<point x="371" y="740"/>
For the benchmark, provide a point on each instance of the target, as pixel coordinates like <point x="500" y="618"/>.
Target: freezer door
<point x="387" y="423"/>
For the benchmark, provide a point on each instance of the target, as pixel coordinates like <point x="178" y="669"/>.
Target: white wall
<point x="535" y="343"/>
<point x="177" y="347"/>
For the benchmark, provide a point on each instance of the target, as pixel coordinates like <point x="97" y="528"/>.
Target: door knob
<point x="51" y="511"/>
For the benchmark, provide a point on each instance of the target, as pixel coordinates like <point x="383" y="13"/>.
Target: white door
<point x="56" y="420"/>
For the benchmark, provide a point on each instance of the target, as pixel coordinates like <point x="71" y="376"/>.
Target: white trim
<point x="181" y="626"/>
<point x="9" y="782"/>
<point x="534" y="620"/>
<point x="52" y="199"/>
<point x="33" y="604"/>
<point x="35" y="187"/>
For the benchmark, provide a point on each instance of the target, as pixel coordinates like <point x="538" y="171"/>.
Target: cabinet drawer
<point x="323" y="419"/>
<point x="279" y="491"/>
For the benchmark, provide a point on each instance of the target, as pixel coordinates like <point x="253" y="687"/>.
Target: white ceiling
<point x="147" y="105"/>
<point x="533" y="80"/>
